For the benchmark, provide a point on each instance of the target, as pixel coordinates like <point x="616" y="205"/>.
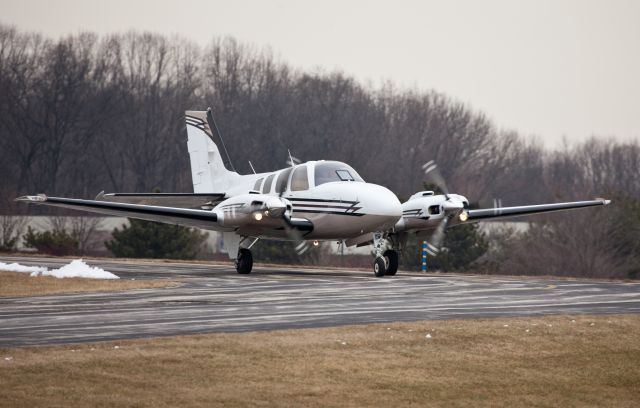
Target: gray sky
<point x="546" y="68"/>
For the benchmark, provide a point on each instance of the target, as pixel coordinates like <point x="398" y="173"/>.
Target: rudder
<point x="208" y="171"/>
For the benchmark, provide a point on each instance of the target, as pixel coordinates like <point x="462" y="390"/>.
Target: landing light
<point x="464" y="216"/>
<point x="257" y="216"/>
<point x="316" y="243"/>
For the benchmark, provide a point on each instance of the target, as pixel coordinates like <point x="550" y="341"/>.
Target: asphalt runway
<point x="214" y="298"/>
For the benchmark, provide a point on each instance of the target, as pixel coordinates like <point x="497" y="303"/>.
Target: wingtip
<point x="32" y="199"/>
<point x="606" y="202"/>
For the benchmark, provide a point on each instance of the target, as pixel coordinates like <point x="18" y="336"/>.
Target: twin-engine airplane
<point x="312" y="201"/>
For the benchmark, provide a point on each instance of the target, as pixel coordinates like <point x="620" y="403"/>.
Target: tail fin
<point x="209" y="172"/>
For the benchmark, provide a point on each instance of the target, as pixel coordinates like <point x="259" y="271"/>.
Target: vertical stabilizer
<point x="208" y="170"/>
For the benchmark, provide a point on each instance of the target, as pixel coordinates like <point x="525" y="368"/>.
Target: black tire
<point x="391" y="257"/>
<point x="379" y="267"/>
<point x="244" y="262"/>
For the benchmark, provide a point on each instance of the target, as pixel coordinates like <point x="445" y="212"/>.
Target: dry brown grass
<point x="543" y="361"/>
<point x="22" y="284"/>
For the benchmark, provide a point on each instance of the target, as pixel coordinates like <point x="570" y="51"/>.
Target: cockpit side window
<point x="281" y="184"/>
<point x="327" y="172"/>
<point x="299" y="179"/>
<point x="267" y="184"/>
<point x="345" y="175"/>
<point x="256" y="187"/>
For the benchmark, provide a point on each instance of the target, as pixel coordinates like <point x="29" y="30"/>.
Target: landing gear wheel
<point x="391" y="258"/>
<point x="244" y="262"/>
<point x="379" y="267"/>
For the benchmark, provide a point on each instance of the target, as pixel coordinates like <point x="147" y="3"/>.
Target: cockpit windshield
<point x="327" y="172"/>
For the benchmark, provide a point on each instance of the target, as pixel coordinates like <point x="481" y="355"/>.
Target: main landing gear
<point x="386" y="263"/>
<point x="244" y="261"/>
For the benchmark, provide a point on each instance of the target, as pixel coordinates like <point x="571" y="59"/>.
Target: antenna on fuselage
<point x="254" y="170"/>
<point x="214" y="127"/>
<point x="292" y="160"/>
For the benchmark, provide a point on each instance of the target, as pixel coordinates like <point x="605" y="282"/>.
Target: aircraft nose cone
<point x="379" y="200"/>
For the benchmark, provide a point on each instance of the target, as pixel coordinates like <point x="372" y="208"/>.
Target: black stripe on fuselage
<point x="320" y="200"/>
<point x="298" y="205"/>
<point x="352" y="214"/>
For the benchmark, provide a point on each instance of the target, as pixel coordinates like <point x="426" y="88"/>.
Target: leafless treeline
<point x="84" y="114"/>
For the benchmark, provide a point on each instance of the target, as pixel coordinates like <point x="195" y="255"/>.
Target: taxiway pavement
<point x="214" y="298"/>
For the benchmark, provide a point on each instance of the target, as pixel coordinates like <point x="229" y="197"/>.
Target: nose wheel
<point x="244" y="261"/>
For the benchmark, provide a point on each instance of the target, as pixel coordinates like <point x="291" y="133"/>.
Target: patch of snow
<point x="527" y="330"/>
<point x="15" y="267"/>
<point x="344" y="343"/>
<point x="116" y="347"/>
<point x="505" y="325"/>
<point x="75" y="269"/>
<point x="592" y="324"/>
<point x="428" y="336"/>
<point x="8" y="358"/>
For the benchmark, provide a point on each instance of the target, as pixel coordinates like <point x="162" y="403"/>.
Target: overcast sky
<point x="546" y="68"/>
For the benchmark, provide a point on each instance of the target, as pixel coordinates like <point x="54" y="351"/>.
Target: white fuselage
<point x="337" y="208"/>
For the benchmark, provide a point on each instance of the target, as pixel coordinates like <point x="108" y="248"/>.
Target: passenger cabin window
<point x="327" y="172"/>
<point x="267" y="184"/>
<point x="299" y="179"/>
<point x="281" y="184"/>
<point x="257" y="185"/>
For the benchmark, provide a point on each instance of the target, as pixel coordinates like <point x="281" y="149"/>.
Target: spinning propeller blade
<point x="437" y="238"/>
<point x="293" y="233"/>
<point x="432" y="173"/>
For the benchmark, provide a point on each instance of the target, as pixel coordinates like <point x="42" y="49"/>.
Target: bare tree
<point x="84" y="229"/>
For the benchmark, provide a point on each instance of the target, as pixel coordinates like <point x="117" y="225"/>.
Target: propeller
<point x="292" y="232"/>
<point x="437" y="238"/>
<point x="432" y="173"/>
<point x="451" y="204"/>
<point x="280" y="208"/>
<point x="295" y="235"/>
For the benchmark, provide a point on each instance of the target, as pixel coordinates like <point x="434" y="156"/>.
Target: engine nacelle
<point x="245" y="209"/>
<point x="424" y="210"/>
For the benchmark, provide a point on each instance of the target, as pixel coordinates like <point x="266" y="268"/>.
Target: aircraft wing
<point x="171" y="215"/>
<point x="488" y="214"/>
<point x="198" y="201"/>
